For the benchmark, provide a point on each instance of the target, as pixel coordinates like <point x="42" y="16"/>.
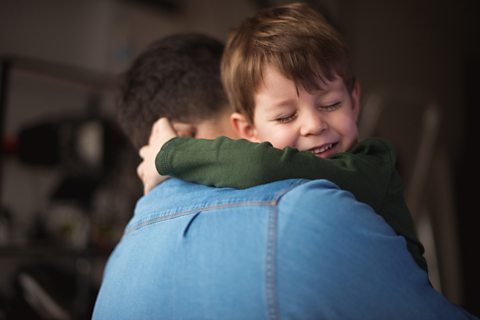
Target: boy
<point x="286" y="72"/>
<point x="195" y="252"/>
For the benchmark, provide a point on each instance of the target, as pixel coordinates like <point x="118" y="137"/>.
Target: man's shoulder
<point x="175" y="193"/>
<point x="319" y="201"/>
<point x="323" y="203"/>
<point x="319" y="197"/>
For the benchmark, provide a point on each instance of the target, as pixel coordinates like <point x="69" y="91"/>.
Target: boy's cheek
<point x="280" y="139"/>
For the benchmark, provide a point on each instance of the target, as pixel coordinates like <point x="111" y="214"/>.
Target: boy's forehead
<point x="279" y="84"/>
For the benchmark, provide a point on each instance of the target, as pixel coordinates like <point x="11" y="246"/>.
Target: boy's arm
<point x="365" y="170"/>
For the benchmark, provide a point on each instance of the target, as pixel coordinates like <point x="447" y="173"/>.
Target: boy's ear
<point x="355" y="96"/>
<point x="243" y="127"/>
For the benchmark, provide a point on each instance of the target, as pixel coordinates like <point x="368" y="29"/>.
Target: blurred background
<point x="67" y="173"/>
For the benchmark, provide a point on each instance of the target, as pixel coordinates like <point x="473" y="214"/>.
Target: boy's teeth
<point x="323" y="148"/>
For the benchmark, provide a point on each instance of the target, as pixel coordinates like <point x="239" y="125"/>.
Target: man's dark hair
<point x="177" y="77"/>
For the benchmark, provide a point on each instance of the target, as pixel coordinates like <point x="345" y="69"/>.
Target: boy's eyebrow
<point x="279" y="103"/>
<point x="284" y="102"/>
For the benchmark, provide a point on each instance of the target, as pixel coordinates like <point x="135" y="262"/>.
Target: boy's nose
<point x="311" y="124"/>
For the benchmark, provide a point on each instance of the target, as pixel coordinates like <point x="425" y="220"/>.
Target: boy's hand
<point x="162" y="131"/>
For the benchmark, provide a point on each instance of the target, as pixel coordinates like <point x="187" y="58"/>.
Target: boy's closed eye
<point x="286" y="118"/>
<point x="292" y="116"/>
<point x="330" y="107"/>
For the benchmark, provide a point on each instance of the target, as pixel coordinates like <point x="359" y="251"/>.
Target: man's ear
<point x="243" y="127"/>
<point x="355" y="96"/>
<point x="184" y="129"/>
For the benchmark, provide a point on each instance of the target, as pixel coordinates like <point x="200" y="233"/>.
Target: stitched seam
<point x="270" y="265"/>
<point x="150" y="221"/>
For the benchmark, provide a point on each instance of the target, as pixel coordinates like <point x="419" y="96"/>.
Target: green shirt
<point x="367" y="170"/>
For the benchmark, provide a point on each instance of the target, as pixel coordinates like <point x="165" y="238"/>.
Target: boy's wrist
<point x="161" y="160"/>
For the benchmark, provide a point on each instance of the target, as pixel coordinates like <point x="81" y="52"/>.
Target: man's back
<point x="289" y="249"/>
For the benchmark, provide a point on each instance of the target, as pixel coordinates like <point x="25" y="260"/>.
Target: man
<point x="289" y="249"/>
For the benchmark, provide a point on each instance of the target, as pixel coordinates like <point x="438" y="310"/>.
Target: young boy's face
<point x="323" y="122"/>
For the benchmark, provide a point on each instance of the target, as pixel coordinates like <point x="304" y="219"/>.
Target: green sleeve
<point x="365" y="170"/>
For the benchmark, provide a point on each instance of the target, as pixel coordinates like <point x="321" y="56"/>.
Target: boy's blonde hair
<point x="296" y="40"/>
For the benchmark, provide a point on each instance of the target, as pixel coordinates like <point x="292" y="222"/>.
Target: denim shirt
<point x="292" y="249"/>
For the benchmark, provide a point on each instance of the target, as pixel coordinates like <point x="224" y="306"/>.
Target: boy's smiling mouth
<point x="322" y="150"/>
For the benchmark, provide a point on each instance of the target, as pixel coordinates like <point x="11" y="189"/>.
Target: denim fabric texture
<point x="292" y="249"/>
